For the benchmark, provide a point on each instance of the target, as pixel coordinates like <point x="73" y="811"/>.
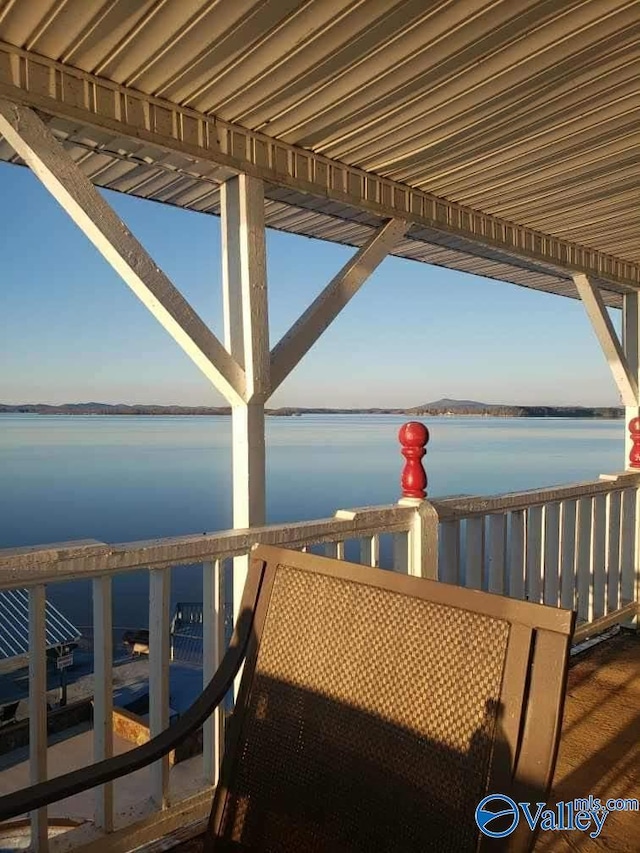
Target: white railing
<point x="359" y="532"/>
<point x="574" y="546"/>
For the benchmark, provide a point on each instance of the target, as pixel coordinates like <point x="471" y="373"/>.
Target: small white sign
<point x="65" y="661"/>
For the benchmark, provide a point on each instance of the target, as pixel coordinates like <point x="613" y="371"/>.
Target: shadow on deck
<point x="600" y="746"/>
<point x="599" y="751"/>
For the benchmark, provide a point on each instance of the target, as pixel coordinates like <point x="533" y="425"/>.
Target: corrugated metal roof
<point x="526" y="109"/>
<point x="14" y="624"/>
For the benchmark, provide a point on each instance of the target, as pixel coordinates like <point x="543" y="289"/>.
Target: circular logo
<point x="495" y="809"/>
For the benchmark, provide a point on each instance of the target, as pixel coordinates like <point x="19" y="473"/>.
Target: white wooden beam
<point x="246" y="324"/>
<point x="244" y="277"/>
<point x="624" y="377"/>
<point x="248" y="465"/>
<point x="36" y="145"/>
<point x="326" y="307"/>
<point x="247" y="338"/>
<point x="631" y="347"/>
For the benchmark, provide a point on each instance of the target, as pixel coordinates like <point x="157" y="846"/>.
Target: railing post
<point x="633" y="459"/>
<point x="413" y="437"/>
<point x="417" y="550"/>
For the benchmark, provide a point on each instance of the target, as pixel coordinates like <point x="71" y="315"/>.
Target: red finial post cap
<point x="634" y="455"/>
<point x="413" y="437"/>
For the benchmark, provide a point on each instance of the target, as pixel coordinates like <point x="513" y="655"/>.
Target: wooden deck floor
<point x="600" y="746"/>
<point x="599" y="751"/>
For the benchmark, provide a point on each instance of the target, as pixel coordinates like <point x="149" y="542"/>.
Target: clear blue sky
<point x="72" y="331"/>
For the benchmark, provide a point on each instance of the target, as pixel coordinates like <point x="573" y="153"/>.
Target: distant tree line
<point x="429" y="409"/>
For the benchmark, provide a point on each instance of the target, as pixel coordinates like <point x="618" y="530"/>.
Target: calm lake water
<point x="124" y="478"/>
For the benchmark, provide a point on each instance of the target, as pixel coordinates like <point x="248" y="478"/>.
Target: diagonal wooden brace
<point x="606" y="334"/>
<point x="325" y="308"/>
<point x="36" y="145"/>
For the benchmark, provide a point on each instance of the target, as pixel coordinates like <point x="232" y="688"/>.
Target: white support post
<point x="625" y="378"/>
<point x="247" y="340"/>
<point x="103" y="695"/>
<point x="244" y="276"/>
<point x="248" y="465"/>
<point x="631" y="346"/>
<point x="38" y="710"/>
<point x="325" y="308"/>
<point x="63" y="178"/>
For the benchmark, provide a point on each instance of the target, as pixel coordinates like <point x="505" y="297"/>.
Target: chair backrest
<point x="376" y="710"/>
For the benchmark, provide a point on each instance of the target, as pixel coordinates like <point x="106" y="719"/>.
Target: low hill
<point x="449" y="405"/>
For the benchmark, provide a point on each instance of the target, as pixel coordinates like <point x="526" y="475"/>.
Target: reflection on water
<point x="121" y="478"/>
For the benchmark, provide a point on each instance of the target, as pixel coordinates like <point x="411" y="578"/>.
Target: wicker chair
<point x="376" y="710"/>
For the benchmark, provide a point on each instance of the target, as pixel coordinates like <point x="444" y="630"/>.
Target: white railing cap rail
<point x="22" y="567"/>
<point x="451" y="509"/>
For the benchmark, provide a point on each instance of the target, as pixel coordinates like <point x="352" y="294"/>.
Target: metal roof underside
<point x="524" y="111"/>
<point x="14" y="625"/>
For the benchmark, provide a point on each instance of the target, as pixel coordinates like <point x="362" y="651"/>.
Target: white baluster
<point x="401" y="552"/>
<point x="568" y="555"/>
<point x="628" y="546"/>
<point x="613" y="552"/>
<point x="474" y="546"/>
<point x="497" y="550"/>
<point x="535" y="539"/>
<point x="517" y="555"/>
<point x="449" y="562"/>
<point x="598" y="554"/>
<point x="331" y="550"/>
<point x="583" y="559"/>
<point x="551" y="588"/>
<point x="370" y="551"/>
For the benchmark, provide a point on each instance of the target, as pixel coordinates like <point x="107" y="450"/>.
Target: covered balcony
<point x="490" y="138"/>
<point x="570" y="546"/>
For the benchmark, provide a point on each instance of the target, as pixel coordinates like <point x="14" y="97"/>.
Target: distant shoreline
<point x="455" y="409"/>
